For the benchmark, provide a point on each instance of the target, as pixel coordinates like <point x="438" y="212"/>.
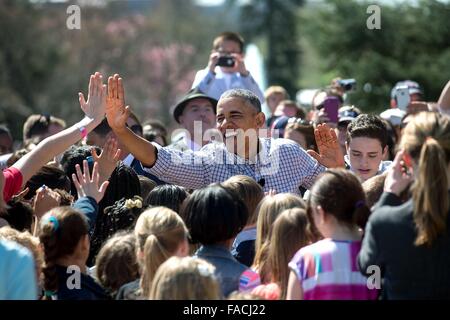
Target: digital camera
<point x="226" y="61"/>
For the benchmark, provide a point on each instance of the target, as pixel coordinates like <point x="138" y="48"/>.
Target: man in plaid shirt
<point x="277" y="164"/>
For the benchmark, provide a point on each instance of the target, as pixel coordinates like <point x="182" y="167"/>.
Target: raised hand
<point x="240" y="64"/>
<point x="95" y="106"/>
<point x="399" y="175"/>
<point x="45" y="200"/>
<point x="330" y="153"/>
<point x="86" y="185"/>
<point x="213" y="58"/>
<point x="116" y="111"/>
<point x="107" y="160"/>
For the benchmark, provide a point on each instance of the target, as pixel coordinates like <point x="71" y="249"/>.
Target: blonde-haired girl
<point x="185" y="278"/>
<point x="160" y="233"/>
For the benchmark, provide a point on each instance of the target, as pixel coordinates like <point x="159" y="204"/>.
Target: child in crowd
<point x="64" y="237"/>
<point x="160" y="233"/>
<point x="327" y="269"/>
<point x="168" y="195"/>
<point x="290" y="233"/>
<point x="268" y="210"/>
<point x="185" y="279"/>
<point x="116" y="262"/>
<point x="366" y="144"/>
<point x="243" y="248"/>
<point x="214" y="216"/>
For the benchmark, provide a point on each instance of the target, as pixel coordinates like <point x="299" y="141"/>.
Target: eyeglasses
<point x="294" y="120"/>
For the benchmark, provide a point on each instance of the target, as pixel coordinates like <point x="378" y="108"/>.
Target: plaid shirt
<point x="282" y="164"/>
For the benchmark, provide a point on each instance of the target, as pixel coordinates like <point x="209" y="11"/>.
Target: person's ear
<point x="85" y="243"/>
<point x="183" y="249"/>
<point x="321" y="214"/>
<point x="347" y="147"/>
<point x="385" y="151"/>
<point x="260" y="120"/>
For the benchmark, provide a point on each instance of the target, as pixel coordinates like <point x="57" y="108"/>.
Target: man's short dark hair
<point x="38" y="124"/>
<point x="50" y="176"/>
<point x="214" y="214"/>
<point x="368" y="126"/>
<point x="244" y="94"/>
<point x="229" y="36"/>
<point x="103" y="128"/>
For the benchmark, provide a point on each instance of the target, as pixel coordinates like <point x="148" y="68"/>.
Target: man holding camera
<point x="226" y="69"/>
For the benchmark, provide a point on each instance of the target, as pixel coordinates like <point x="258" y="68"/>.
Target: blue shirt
<point x="214" y="85"/>
<point x="282" y="164"/>
<point x="17" y="272"/>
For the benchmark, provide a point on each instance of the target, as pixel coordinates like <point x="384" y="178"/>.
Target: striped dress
<point x="327" y="270"/>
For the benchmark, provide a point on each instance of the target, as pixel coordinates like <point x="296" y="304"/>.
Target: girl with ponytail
<point x="64" y="237"/>
<point x="410" y="242"/>
<point x="160" y="234"/>
<point x="327" y="269"/>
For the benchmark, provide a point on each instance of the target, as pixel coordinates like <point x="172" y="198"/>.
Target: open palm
<point x="116" y="111"/>
<point x="95" y="105"/>
<point x="330" y="154"/>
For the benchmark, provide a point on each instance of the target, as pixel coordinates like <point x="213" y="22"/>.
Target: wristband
<point x="83" y="132"/>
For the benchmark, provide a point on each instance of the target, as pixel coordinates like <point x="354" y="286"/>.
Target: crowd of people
<point x="299" y="205"/>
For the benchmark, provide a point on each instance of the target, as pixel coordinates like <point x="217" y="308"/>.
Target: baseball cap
<point x="394" y="115"/>
<point x="347" y="113"/>
<point x="194" y="93"/>
<point x="413" y="87"/>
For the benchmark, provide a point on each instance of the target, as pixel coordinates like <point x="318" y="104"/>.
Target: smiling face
<point x="233" y="114"/>
<point x="365" y="156"/>
<point x="199" y="109"/>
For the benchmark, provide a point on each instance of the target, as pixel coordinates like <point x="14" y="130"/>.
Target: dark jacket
<point x="228" y="269"/>
<point x="88" y="289"/>
<point x="409" y="271"/>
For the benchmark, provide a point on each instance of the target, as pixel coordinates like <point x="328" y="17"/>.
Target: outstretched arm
<point x="94" y="110"/>
<point x="117" y="114"/>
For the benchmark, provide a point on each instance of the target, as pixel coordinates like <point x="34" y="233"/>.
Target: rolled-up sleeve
<point x="184" y="168"/>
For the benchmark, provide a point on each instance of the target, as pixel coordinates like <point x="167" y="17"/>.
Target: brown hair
<point x="250" y="191"/>
<point x="228" y="36"/>
<point x="268" y="210"/>
<point x="116" y="262"/>
<point x="339" y="193"/>
<point x="307" y="130"/>
<point x="38" y="124"/>
<point x="159" y="232"/>
<point x="426" y="139"/>
<point x="60" y="232"/>
<point x="290" y="233"/>
<point x="373" y="188"/>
